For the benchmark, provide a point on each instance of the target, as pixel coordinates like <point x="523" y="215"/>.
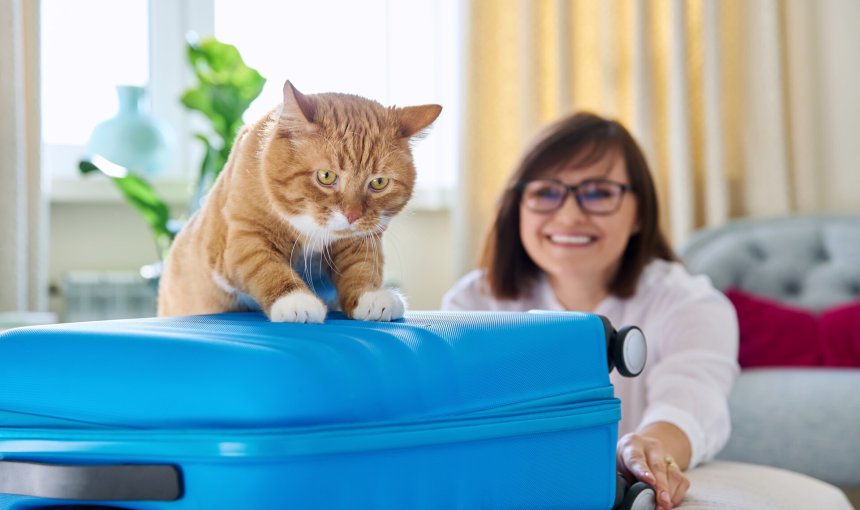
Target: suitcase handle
<point x="122" y="482"/>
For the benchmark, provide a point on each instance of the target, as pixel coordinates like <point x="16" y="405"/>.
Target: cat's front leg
<point x="266" y="276"/>
<point x="357" y="275"/>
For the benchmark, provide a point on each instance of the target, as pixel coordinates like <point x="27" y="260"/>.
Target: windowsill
<point x="98" y="190"/>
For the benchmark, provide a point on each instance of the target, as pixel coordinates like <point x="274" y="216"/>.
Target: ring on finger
<point x="669" y="461"/>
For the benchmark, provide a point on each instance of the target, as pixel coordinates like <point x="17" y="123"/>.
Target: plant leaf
<point x="225" y="88"/>
<point x="86" y="167"/>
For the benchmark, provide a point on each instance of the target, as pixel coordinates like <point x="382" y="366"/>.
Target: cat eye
<point x="326" y="177"/>
<point x="379" y="183"/>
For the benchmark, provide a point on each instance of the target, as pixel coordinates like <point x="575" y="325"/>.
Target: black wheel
<point x="621" y="488"/>
<point x="610" y="332"/>
<point x="629" y="351"/>
<point x="640" y="496"/>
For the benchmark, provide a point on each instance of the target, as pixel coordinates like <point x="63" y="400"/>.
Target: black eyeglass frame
<point x="573" y="189"/>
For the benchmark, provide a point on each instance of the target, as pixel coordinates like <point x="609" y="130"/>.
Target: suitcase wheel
<point x="640" y="496"/>
<point x="629" y="351"/>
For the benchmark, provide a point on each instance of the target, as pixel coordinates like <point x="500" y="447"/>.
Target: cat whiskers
<point x="375" y="235"/>
<point x="293" y="249"/>
<point x="326" y="253"/>
<point x="323" y="240"/>
<point x="307" y="272"/>
<point x="364" y="241"/>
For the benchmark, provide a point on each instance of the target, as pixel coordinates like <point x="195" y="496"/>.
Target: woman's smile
<point x="571" y="240"/>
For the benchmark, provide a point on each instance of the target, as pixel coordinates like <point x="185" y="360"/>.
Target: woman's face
<point x="571" y="242"/>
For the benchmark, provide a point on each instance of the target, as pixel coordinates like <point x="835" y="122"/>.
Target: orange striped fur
<point x="272" y="208"/>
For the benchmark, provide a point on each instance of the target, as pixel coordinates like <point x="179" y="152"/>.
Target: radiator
<point x="98" y="295"/>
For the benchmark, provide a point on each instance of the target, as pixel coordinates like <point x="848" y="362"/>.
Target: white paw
<point x="298" y="306"/>
<point x="380" y="305"/>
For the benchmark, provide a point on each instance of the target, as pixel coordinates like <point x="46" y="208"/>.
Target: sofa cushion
<point x="839" y="335"/>
<point x="773" y="334"/>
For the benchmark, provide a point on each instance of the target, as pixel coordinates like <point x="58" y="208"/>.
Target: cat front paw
<point x="298" y="306"/>
<point x="380" y="305"/>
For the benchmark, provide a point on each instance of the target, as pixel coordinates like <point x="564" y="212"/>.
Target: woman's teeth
<point x="563" y="239"/>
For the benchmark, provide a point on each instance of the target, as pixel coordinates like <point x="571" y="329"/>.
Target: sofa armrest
<point x="805" y="420"/>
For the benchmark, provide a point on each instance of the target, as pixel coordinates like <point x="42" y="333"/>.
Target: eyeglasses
<point x="594" y="196"/>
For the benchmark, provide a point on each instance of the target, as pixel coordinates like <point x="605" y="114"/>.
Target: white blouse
<point x="692" y="334"/>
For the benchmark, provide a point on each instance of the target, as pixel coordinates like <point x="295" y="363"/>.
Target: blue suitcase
<point x="441" y="410"/>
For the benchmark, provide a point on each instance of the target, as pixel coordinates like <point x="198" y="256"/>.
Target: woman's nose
<point x="570" y="209"/>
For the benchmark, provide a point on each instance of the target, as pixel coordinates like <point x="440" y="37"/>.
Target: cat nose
<point x="352" y="215"/>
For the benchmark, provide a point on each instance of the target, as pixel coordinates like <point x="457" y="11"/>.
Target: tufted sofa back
<point x="810" y="261"/>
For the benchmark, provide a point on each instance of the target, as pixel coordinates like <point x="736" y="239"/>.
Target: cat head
<point x="340" y="165"/>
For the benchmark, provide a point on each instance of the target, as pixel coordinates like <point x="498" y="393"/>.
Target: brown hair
<point x="509" y="269"/>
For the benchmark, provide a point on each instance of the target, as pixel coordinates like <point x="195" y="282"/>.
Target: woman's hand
<point x="645" y="456"/>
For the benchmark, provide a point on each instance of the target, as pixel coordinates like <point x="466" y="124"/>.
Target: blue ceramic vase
<point x="133" y="139"/>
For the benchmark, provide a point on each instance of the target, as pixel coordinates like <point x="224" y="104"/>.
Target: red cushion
<point x="839" y="334"/>
<point x="775" y="334"/>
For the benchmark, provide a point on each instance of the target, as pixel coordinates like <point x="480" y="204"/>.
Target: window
<point x="80" y="71"/>
<point x="395" y="52"/>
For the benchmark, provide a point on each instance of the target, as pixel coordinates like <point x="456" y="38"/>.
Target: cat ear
<point x="297" y="108"/>
<point x="415" y="118"/>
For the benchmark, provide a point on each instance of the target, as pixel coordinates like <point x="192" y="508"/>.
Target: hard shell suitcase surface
<point x="439" y="410"/>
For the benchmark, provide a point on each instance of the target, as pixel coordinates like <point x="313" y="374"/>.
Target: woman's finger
<point x="632" y="456"/>
<point x="657" y="460"/>
<point x="681" y="483"/>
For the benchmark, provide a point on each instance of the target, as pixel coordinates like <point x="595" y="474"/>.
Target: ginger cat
<point x="319" y="178"/>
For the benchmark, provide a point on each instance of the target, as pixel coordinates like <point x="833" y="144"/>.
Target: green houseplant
<point x="225" y="87"/>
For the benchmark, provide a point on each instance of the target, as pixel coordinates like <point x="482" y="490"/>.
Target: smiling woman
<point x="552" y="248"/>
<point x="577" y="229"/>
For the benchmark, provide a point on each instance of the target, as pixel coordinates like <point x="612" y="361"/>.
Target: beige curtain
<point x="22" y="210"/>
<point x="720" y="93"/>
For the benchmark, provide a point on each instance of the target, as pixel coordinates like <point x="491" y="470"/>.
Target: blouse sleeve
<point x="689" y="383"/>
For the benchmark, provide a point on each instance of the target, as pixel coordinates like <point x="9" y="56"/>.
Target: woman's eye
<point x="547" y="192"/>
<point x="379" y="183"/>
<point x="597" y="193"/>
<point x="326" y="177"/>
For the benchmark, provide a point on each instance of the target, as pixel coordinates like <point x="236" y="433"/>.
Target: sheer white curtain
<point x="22" y="209"/>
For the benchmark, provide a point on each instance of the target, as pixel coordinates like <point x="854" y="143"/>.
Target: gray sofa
<point x="802" y="419"/>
